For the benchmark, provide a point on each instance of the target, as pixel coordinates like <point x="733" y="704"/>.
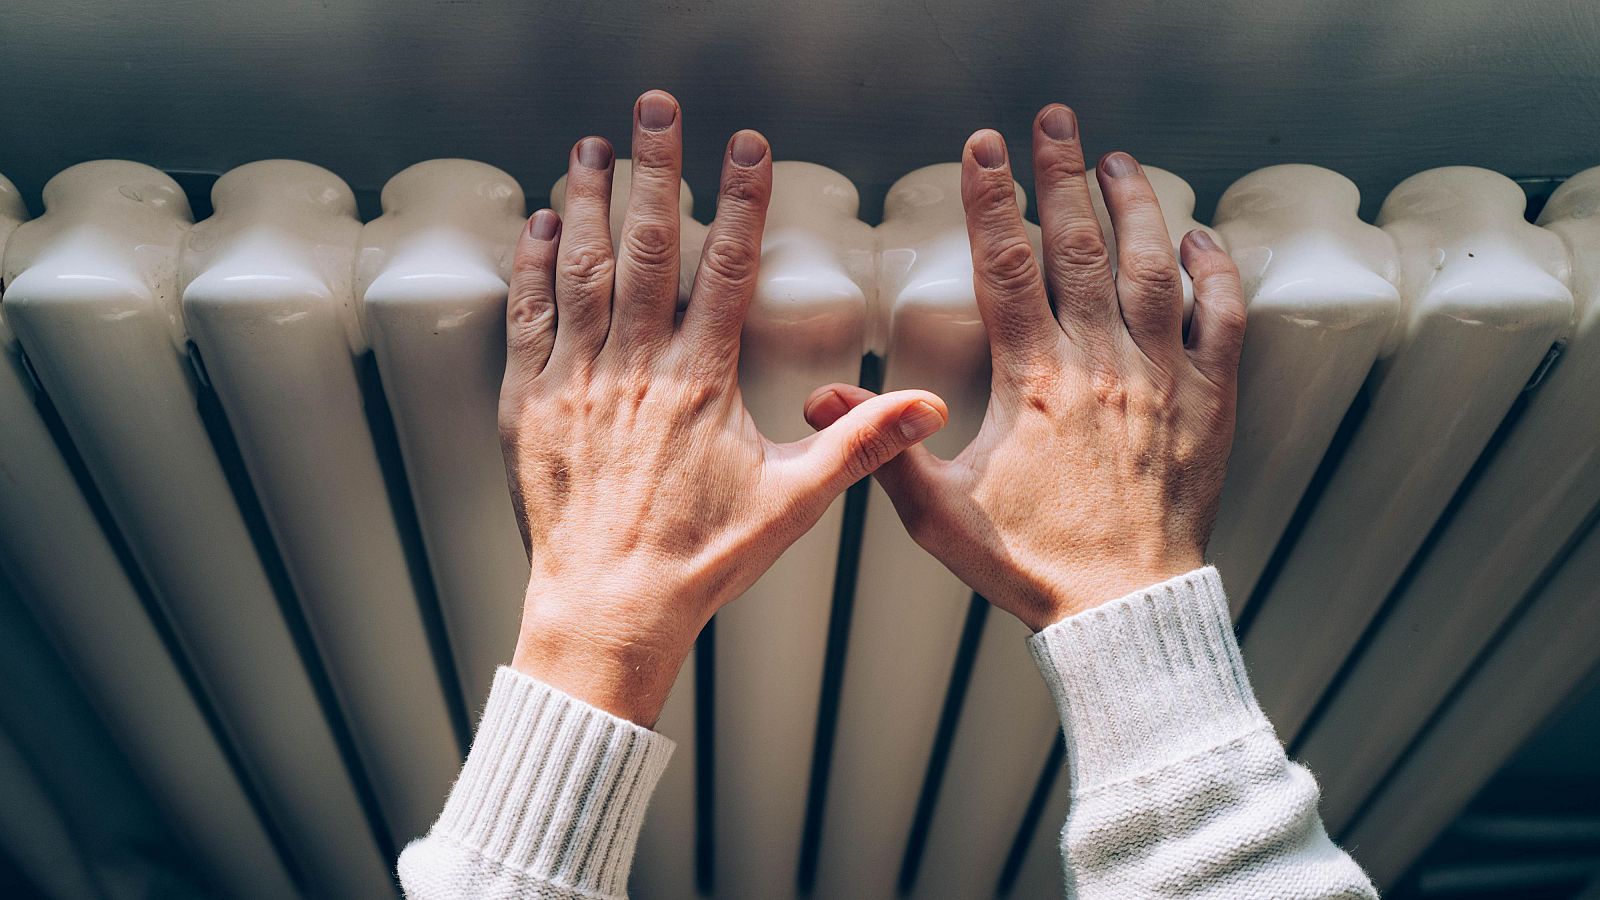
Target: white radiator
<point x="271" y="402"/>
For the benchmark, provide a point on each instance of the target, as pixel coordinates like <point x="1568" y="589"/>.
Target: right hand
<point x="1099" y="466"/>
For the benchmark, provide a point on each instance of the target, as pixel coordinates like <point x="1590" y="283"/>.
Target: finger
<point x="1149" y="289"/>
<point x="869" y="434"/>
<point x="585" y="263"/>
<point x="1076" y="263"/>
<point x="647" y="260"/>
<point x="531" y="300"/>
<point x="1005" y="275"/>
<point x="726" y="279"/>
<point x="1216" y="332"/>
<point x="829" y="403"/>
<point x="910" y="478"/>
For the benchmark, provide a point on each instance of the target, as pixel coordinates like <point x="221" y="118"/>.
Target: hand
<point x="1099" y="465"/>
<point x="646" y="496"/>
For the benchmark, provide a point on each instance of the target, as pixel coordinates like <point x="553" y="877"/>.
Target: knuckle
<point x="730" y="259"/>
<point x="991" y="193"/>
<point x="869" y="448"/>
<point x="529" y="306"/>
<point x="656" y="157"/>
<point x="588" y="188"/>
<point x="1079" y="246"/>
<point x="652" y="243"/>
<point x="998" y="196"/>
<point x="1155" y="273"/>
<point x="588" y="267"/>
<point x="1038" y="390"/>
<point x="1010" y="266"/>
<point x="1110" y="389"/>
<point x="1062" y="166"/>
<point x="745" y="189"/>
<point x="1231" y="315"/>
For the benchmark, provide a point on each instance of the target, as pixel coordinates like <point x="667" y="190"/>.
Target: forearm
<point x="548" y="805"/>
<point x="1179" y="785"/>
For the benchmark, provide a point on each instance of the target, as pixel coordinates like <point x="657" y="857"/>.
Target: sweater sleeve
<point x="547" y="807"/>
<point x="1179" y="785"/>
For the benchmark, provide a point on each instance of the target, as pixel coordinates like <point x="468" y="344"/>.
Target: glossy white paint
<point x="1322" y="299"/>
<point x="908" y="612"/>
<point x="268" y="299"/>
<point x="1008" y="723"/>
<point x="92" y="296"/>
<point x="806" y="328"/>
<point x="98" y="622"/>
<point x="12" y="211"/>
<point x="1528" y="675"/>
<point x="1485" y="296"/>
<point x="1541" y="484"/>
<point x="431" y="275"/>
<point x="428" y="291"/>
<point x="665" y="864"/>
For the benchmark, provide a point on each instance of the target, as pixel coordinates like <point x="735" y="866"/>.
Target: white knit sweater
<point x="1179" y="786"/>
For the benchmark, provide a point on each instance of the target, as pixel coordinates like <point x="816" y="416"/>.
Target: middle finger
<point x="648" y="254"/>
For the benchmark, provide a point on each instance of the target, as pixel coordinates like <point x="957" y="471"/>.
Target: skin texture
<point x="646" y="496"/>
<point x="648" y="499"/>
<point x="1099" y="466"/>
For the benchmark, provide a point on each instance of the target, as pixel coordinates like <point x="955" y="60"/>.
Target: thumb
<point x="869" y="434"/>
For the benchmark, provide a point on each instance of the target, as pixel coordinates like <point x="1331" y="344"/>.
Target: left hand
<point x="646" y="496"/>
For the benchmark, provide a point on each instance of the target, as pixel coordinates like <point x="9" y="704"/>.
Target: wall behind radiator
<point x="1377" y="90"/>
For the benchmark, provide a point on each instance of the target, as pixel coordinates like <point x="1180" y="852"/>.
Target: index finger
<point x="1005" y="275"/>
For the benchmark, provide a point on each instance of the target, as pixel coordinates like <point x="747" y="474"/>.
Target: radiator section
<point x="91" y="291"/>
<point x="1322" y="300"/>
<point x="268" y="300"/>
<point x="34" y="834"/>
<point x="1535" y="493"/>
<point x="431" y="277"/>
<point x="102" y="627"/>
<point x="1531" y="670"/>
<point x="908" y="610"/>
<point x="210" y="515"/>
<point x="1484" y="298"/>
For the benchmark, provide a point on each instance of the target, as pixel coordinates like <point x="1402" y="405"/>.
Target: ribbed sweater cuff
<point x="1147" y="679"/>
<point x="554" y="787"/>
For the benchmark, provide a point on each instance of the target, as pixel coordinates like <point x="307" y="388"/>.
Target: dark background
<point x="1210" y="90"/>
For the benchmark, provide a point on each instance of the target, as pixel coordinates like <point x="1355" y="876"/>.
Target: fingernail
<point x="989" y="150"/>
<point x="831" y="398"/>
<point x="919" y="420"/>
<point x="594" y="153"/>
<point x="1060" y="124"/>
<point x="542" y="227"/>
<point x="748" y="148"/>
<point x="1203" y="240"/>
<point x="656" y="111"/>
<point x="1119" y="165"/>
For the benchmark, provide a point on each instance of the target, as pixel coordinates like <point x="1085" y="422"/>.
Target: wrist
<point x="1086" y="588"/>
<point x="607" y="658"/>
